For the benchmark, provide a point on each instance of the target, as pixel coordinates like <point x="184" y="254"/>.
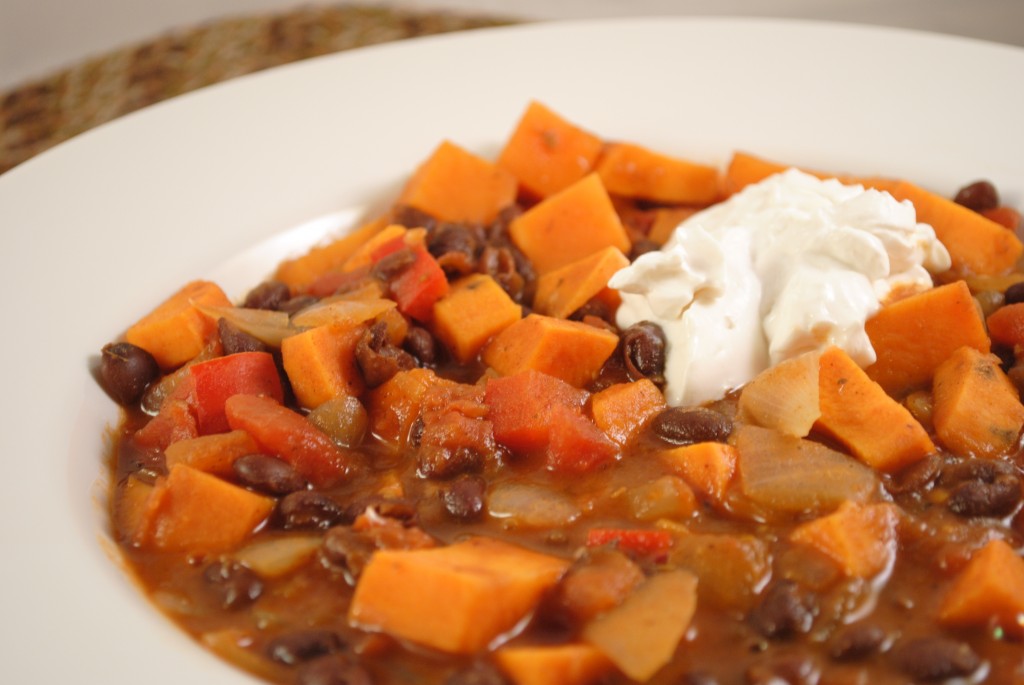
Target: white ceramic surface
<point x="99" y="229"/>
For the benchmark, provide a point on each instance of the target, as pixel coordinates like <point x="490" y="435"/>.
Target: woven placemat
<point x="39" y="115"/>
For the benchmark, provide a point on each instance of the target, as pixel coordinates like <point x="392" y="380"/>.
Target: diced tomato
<point x="577" y="445"/>
<point x="244" y="373"/>
<point x="1006" y="324"/>
<point x="287" y="434"/>
<point x="520" y="407"/>
<point x="648" y="543"/>
<point x="1004" y="216"/>
<point x="420" y="285"/>
<point x="174" y="422"/>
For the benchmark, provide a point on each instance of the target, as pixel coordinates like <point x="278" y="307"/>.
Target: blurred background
<point x="68" y="65"/>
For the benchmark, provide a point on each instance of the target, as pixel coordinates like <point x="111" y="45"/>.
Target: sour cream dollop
<point x="787" y="265"/>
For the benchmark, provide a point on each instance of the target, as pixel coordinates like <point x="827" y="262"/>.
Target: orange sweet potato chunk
<point x="569" y="350"/>
<point x="621" y="410"/>
<point x="194" y="512"/>
<point x="570" y="664"/>
<point x="634" y="171"/>
<point x="302" y="271"/>
<point x="569" y="225"/>
<point x="562" y="291"/>
<point x="707" y="467"/>
<point x="321" y="363"/>
<point x="176" y="331"/>
<point x="547" y="153"/>
<point x="977" y="411"/>
<point x="859" y="538"/>
<point x="214" y="453"/>
<point x="666" y="219"/>
<point x="456" y="185"/>
<point x="989" y="589"/>
<point x="475" y="309"/>
<point x="456" y="599"/>
<point x="394" y="405"/>
<point x="914" y="335"/>
<point x="857" y="412"/>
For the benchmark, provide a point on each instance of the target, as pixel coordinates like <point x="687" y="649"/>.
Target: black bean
<point x="126" y="371"/>
<point x="792" y="669"/>
<point x="378" y="359"/>
<point x="979" y="196"/>
<point x="421" y="344"/>
<point x="856" y="641"/>
<point x="267" y="474"/>
<point x="231" y="585"/>
<point x="347" y="550"/>
<point x="784" y="611"/>
<point x="593" y="307"/>
<point x="985" y="470"/>
<point x="685" y="426"/>
<point x="303" y="645"/>
<point x="1014" y="294"/>
<point x="464" y="497"/>
<point x="918" y="477"/>
<point x="978" y="498"/>
<point x="642" y="247"/>
<point x="333" y="669"/>
<point x="643" y="350"/>
<point x="393" y="264"/>
<point x="935" y="658"/>
<point x="443" y="461"/>
<point x="510" y="272"/>
<point x="267" y="295"/>
<point x="310" y="509"/>
<point x="698" y="678"/>
<point x="234" y="340"/>
<point x="450" y="238"/>
<point x="479" y="673"/>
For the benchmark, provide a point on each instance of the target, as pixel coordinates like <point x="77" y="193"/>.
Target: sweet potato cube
<point x="132" y="516"/>
<point x="745" y="169"/>
<point x="456" y="185"/>
<point x="300" y="272"/>
<point x="914" y="335"/>
<point x="977" y="411"/>
<point x="571" y="664"/>
<point x="176" y="331"/>
<point x="666" y="219"/>
<point x="564" y="290"/>
<point x="859" y="538"/>
<point x="568" y="350"/>
<point x="195" y="513"/>
<point x="707" y="467"/>
<point x="855" y="410"/>
<point x="214" y="454"/>
<point x="456" y="599"/>
<point x="547" y="153"/>
<point x="367" y="252"/>
<point x="321" y="363"/>
<point x="989" y="589"/>
<point x="395" y="405"/>
<point x="475" y="309"/>
<point x="621" y="410"/>
<point x="569" y="225"/>
<point x="1006" y="324"/>
<point x="634" y="171"/>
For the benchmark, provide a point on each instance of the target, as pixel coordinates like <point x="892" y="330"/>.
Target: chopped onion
<point x="267" y="326"/>
<point x="531" y="506"/>
<point x="278" y="556"/>
<point x="341" y="311"/>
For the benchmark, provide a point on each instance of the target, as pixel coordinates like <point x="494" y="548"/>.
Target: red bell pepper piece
<point x="288" y="435"/>
<point x="420" y="285"/>
<point x="174" y="422"/>
<point x="576" y="444"/>
<point x="521" y="406"/>
<point x="647" y="543"/>
<point x="215" y="380"/>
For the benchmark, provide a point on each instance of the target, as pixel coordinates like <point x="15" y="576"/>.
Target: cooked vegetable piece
<point x="195" y="513"/>
<point x="855" y="410"/>
<point x="634" y="171"/>
<point x="784" y="396"/>
<point x="474" y="311"/>
<point x="365" y="254"/>
<point x="531" y="507"/>
<point x="282" y="432"/>
<point x="1006" y="324"/>
<point x="621" y="410"/>
<point x="977" y="411"/>
<point x="562" y="291"/>
<point x="215" y="380"/>
<point x="569" y="225"/>
<point x="570" y="664"/>
<point x="456" y="185"/>
<point x="321" y="363"/>
<point x="521" y="406"/>
<point x="211" y="453"/>
<point x="463" y="595"/>
<point x="576" y="445"/>
<point x="731" y="569"/>
<point x="665" y="498"/>
<point x="343" y="310"/>
<point x="665" y="221"/>
<point x="394" y="406"/>
<point x="302" y="271"/>
<point x="175" y="421"/>
<point x="989" y="590"/>
<point x="176" y="331"/>
<point x="641" y="634"/>
<point x="419" y="286"/>
<point x="598" y="581"/>
<point x="1005" y="216"/>
<point x="548" y="153"/>
<point x="783" y="473"/>
<point x="278" y="556"/>
<point x="914" y="335"/>
<point x="568" y="350"/>
<point x="708" y="467"/>
<point x="131" y="510"/>
<point x="642" y="543"/>
<point x="859" y="538"/>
